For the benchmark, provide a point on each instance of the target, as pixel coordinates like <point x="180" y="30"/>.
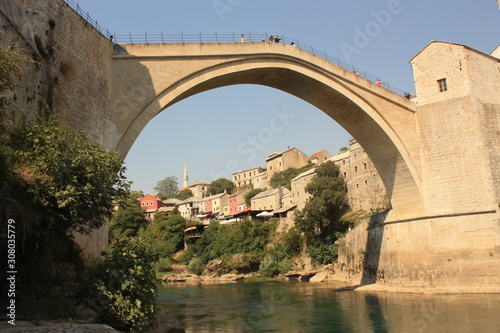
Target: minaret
<point x="186" y="178"/>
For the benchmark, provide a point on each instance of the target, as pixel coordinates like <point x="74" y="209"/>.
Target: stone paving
<point x="46" y="327"/>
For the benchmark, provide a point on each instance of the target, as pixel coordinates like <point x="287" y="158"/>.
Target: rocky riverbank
<point x="213" y="273"/>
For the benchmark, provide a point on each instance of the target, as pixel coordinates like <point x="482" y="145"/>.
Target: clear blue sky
<point x="205" y="130"/>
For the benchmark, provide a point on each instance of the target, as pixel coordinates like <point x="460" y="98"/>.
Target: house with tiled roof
<point x="319" y="157"/>
<point x="188" y="208"/>
<point x="290" y="158"/>
<point x="151" y="204"/>
<point x="268" y="200"/>
<point x="213" y="205"/>
<point x="199" y="189"/>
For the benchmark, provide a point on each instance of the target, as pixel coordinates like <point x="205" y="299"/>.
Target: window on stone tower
<point x="442" y="85"/>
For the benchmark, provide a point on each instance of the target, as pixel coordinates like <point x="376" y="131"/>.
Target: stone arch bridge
<point x="148" y="78"/>
<point x="444" y="226"/>
<point x="439" y="159"/>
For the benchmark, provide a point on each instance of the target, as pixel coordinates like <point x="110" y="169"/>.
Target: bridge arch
<point x="382" y="122"/>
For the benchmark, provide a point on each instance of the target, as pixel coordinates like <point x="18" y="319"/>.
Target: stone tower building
<point x="458" y="112"/>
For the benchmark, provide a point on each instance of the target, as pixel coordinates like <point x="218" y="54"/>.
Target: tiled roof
<point x="315" y="155"/>
<point x="200" y="183"/>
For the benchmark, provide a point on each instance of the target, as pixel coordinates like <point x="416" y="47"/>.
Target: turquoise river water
<point x="311" y="307"/>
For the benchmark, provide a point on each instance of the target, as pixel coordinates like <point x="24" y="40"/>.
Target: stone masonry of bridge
<point x="438" y="159"/>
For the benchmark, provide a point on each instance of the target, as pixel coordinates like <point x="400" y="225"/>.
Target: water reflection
<point x="307" y="307"/>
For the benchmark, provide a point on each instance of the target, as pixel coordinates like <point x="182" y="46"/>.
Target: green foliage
<point x="183" y="195"/>
<point x="126" y="285"/>
<point x="69" y="181"/>
<point x="322" y="214"/>
<point x="322" y="220"/>
<point x="168" y="231"/>
<point x="343" y="149"/>
<point x="322" y="249"/>
<point x="244" y="262"/>
<point x="221" y="185"/>
<point x="252" y="193"/>
<point x="271" y="266"/>
<point x="167" y="188"/>
<point x="163" y="265"/>
<point x="284" y="178"/>
<point x="288" y="245"/>
<point x="224" y="241"/>
<point x="136" y="194"/>
<point x="196" y="266"/>
<point x="12" y="69"/>
<point x="127" y="220"/>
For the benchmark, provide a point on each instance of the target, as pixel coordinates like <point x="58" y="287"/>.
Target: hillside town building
<point x="290" y="158"/>
<point x="364" y="186"/>
<point x="319" y="157"/>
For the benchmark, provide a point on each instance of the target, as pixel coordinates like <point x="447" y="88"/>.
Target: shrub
<point x="127" y="286"/>
<point x="272" y="266"/>
<point x="244" y="262"/>
<point x="196" y="266"/>
<point x="322" y="250"/>
<point x="164" y="265"/>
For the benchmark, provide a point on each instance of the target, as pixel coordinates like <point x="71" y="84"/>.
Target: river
<point x="315" y="307"/>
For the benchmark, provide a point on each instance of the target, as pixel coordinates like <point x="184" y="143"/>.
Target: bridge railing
<point x="86" y="16"/>
<point x="220" y="38"/>
<point x="236" y="38"/>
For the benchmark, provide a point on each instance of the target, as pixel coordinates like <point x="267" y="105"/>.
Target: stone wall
<point x="365" y="188"/>
<point x="71" y="77"/>
<point x="444" y="254"/>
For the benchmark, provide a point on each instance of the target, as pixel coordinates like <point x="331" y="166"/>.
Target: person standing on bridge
<point x="379" y="82"/>
<point x="271" y="38"/>
<point x="243" y="38"/>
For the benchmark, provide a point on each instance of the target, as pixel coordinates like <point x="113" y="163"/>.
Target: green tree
<point x="321" y="219"/>
<point x="168" y="229"/>
<point x="136" y="194"/>
<point x="322" y="214"/>
<point x="57" y="182"/>
<point x="126" y="285"/>
<point x="127" y="220"/>
<point x="183" y="195"/>
<point x="167" y="188"/>
<point x="69" y="181"/>
<point x="221" y="185"/>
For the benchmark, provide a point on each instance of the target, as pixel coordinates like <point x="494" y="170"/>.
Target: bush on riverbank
<point x="126" y="285"/>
